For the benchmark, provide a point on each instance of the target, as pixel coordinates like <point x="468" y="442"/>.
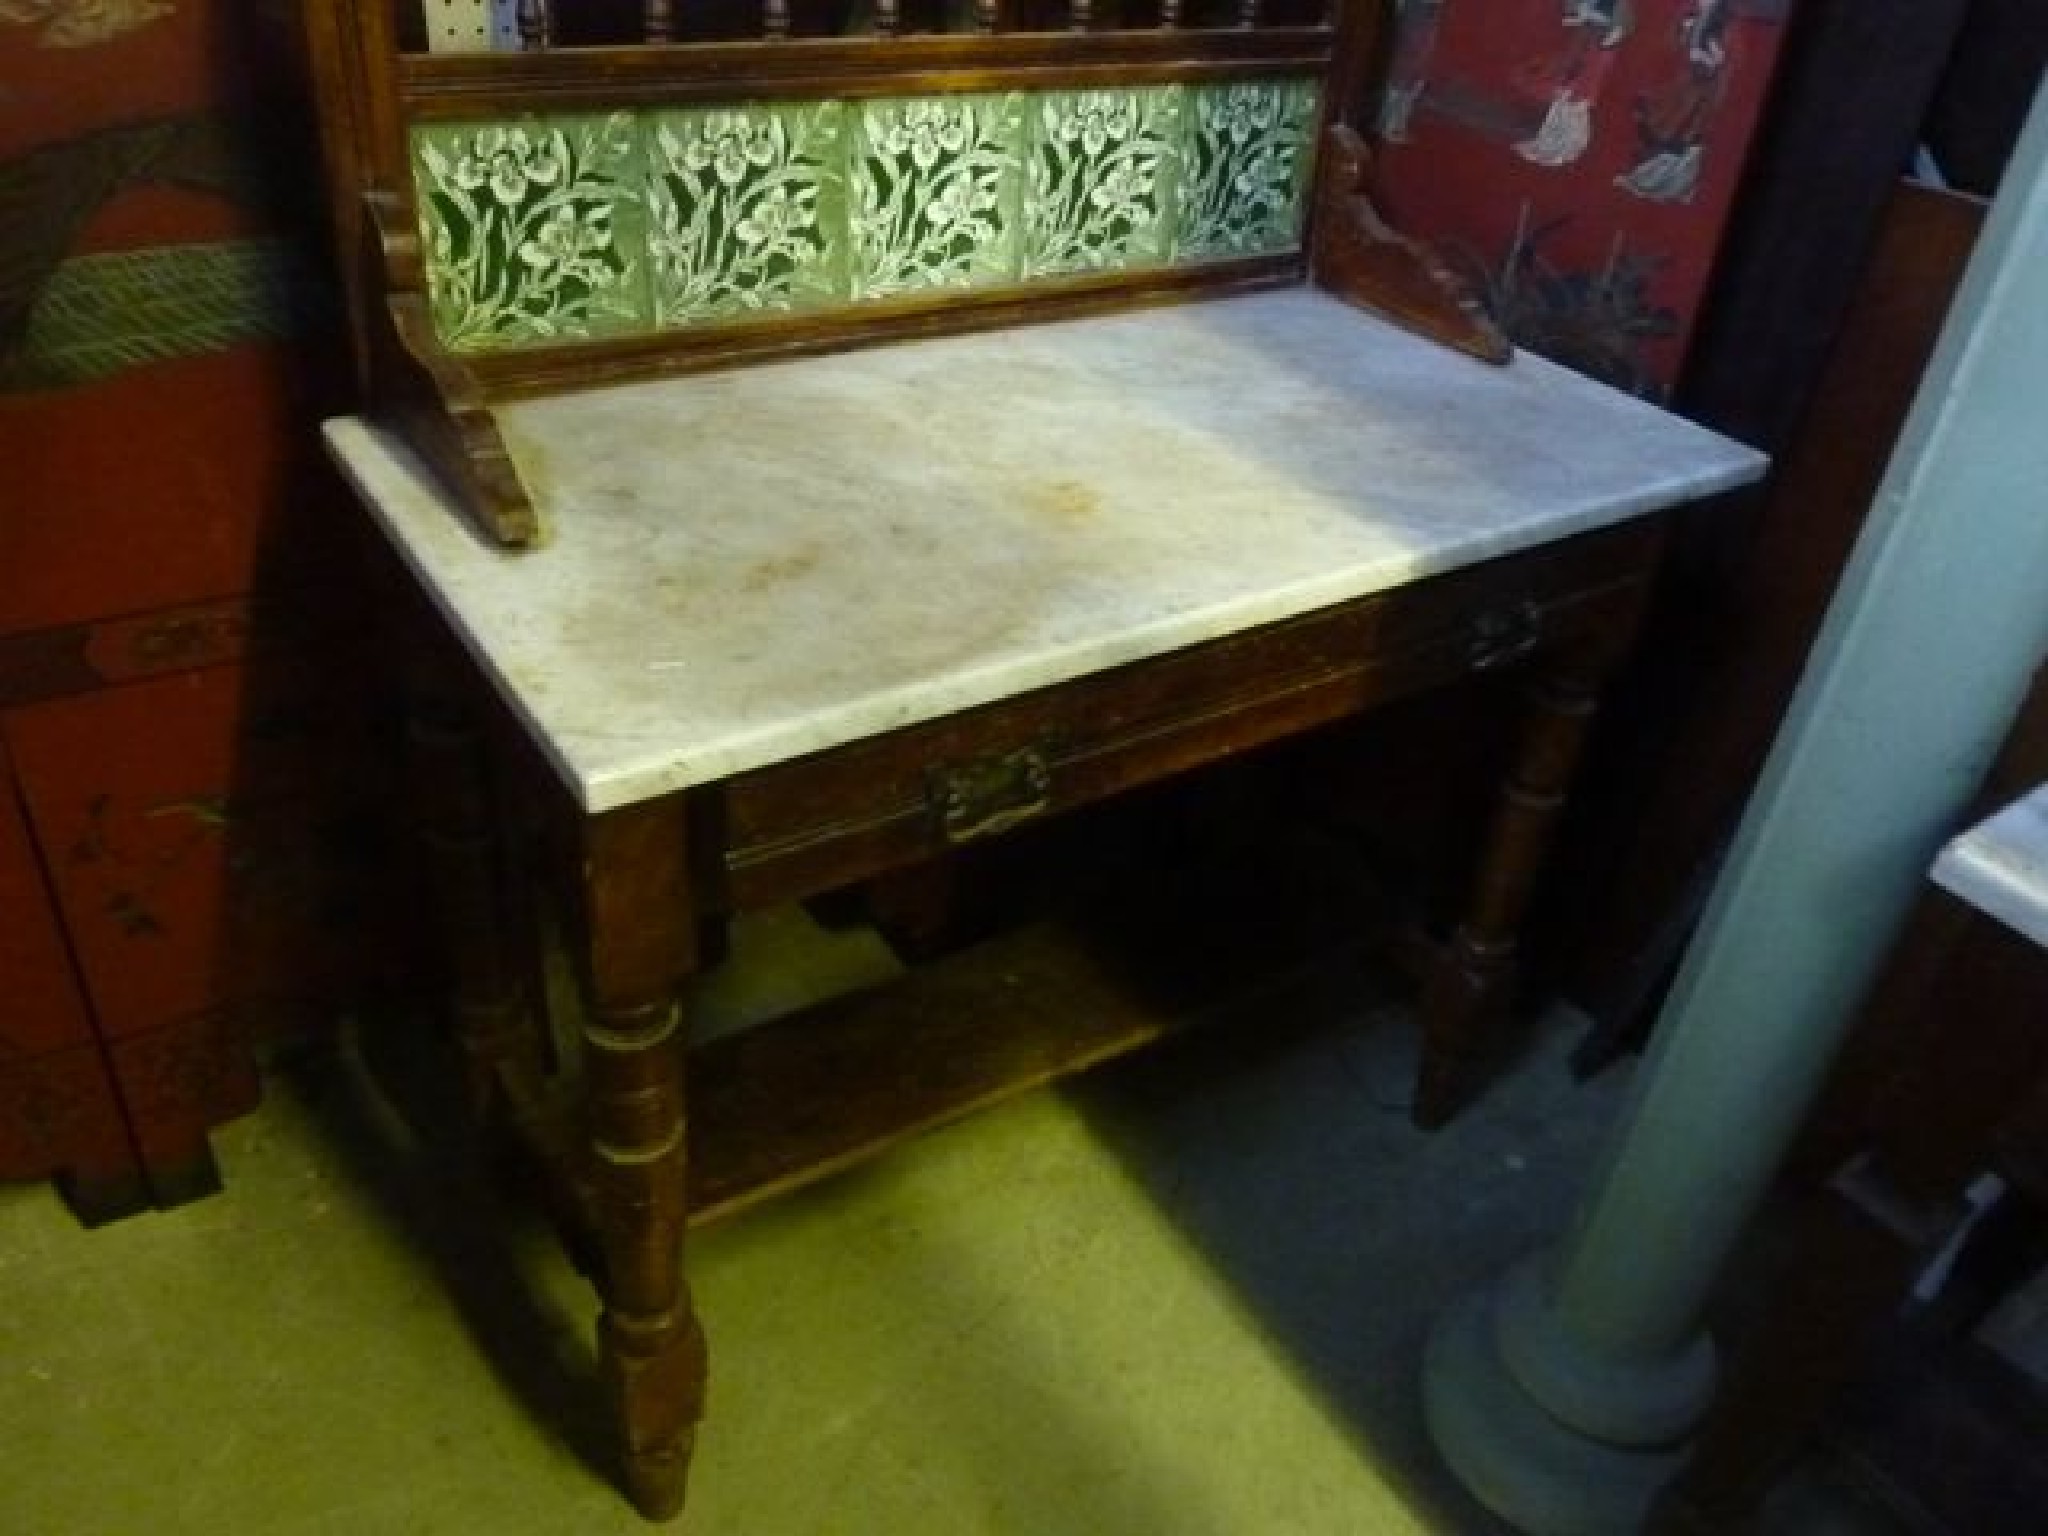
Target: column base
<point x="1535" y="1469"/>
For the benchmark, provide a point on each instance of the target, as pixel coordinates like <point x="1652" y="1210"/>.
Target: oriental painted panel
<point x="1577" y="159"/>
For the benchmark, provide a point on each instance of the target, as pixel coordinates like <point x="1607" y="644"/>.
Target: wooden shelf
<point x="804" y="1096"/>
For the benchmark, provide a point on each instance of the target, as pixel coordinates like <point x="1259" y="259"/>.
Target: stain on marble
<point x="783" y="570"/>
<point x="1066" y="501"/>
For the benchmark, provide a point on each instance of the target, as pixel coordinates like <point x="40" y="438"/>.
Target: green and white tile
<point x="936" y="187"/>
<point x="1244" y="184"/>
<point x="1102" y="168"/>
<point x="576" y="227"/>
<point x="746" y="210"/>
<point x="534" y="229"/>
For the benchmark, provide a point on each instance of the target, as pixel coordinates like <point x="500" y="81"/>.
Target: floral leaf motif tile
<point x="1102" y="164"/>
<point x="934" y="194"/>
<point x="745" y="210"/>
<point x="533" y="229"/>
<point x="1243" y="186"/>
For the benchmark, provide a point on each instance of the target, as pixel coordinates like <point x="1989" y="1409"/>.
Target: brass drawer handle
<point x="986" y="795"/>
<point x="1502" y="635"/>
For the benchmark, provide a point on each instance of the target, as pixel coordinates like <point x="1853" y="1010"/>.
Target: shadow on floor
<point x="385" y="1098"/>
<point x="1281" y="1146"/>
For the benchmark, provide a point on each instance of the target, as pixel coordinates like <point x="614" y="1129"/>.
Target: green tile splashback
<point x="742" y="206"/>
<point x="565" y="228"/>
<point x="935" y="194"/>
<point x="535" y="230"/>
<point x="1102" y="169"/>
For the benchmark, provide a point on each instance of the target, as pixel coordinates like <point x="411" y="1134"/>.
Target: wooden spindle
<point x="1080" y="15"/>
<point x="1169" y="14"/>
<point x="775" y="19"/>
<point x="886" y="17"/>
<point x="659" y="21"/>
<point x="536" y="25"/>
<point x="985" y="16"/>
<point x="1247" y="14"/>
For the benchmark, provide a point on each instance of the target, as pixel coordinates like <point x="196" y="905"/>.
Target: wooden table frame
<point x="629" y="1158"/>
<point x="636" y="896"/>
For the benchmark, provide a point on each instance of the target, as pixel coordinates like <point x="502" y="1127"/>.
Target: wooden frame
<point x="627" y="1159"/>
<point x="639" y="892"/>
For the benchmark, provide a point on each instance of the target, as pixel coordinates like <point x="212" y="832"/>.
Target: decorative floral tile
<point x="745" y="209"/>
<point x="935" y="189"/>
<point x="1243" y="186"/>
<point x="577" y="227"/>
<point x="533" y="229"/>
<point x="1102" y="165"/>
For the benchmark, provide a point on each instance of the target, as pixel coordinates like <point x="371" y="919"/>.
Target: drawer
<point x="807" y="825"/>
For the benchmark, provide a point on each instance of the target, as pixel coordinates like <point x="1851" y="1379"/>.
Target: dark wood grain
<point x="796" y="1100"/>
<point x="1471" y="979"/>
<point x="638" y="933"/>
<point x="526" y="371"/>
<point x="1365" y="261"/>
<point x="455" y="85"/>
<point x="809" y="825"/>
<point x="432" y="396"/>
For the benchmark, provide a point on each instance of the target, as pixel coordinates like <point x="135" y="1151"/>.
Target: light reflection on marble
<point x="2000" y="866"/>
<point x="747" y="566"/>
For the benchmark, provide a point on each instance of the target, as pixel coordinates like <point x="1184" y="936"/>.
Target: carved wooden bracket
<point x="1363" y="260"/>
<point x="431" y="394"/>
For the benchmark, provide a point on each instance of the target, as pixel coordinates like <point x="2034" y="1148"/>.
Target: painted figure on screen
<point x="1571" y="78"/>
<point x="1672" y="118"/>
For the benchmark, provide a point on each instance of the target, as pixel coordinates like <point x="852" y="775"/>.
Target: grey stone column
<point x="1562" y="1394"/>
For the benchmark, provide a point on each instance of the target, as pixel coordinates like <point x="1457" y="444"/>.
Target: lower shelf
<point x="803" y="1096"/>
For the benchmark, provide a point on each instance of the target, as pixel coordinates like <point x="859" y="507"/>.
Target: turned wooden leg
<point x="639" y="945"/>
<point x="1471" y="979"/>
<point x="462" y="832"/>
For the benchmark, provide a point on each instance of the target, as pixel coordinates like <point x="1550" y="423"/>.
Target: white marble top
<point x="2000" y="866"/>
<point x="747" y="566"/>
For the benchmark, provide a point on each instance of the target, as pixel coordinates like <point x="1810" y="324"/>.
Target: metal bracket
<point x="1503" y="635"/>
<point x="987" y="795"/>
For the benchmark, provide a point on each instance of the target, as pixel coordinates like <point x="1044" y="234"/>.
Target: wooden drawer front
<point x="821" y="821"/>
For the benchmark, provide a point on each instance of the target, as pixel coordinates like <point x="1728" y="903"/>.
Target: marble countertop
<point x="2000" y="866"/>
<point x="747" y="566"/>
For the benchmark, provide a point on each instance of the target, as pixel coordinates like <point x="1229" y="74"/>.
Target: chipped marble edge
<point x="381" y="466"/>
<point x="2000" y="867"/>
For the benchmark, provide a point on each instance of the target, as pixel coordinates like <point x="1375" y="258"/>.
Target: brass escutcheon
<point x="1502" y="635"/>
<point x="986" y="795"/>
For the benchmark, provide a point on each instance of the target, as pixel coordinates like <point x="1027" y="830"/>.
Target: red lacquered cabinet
<point x="192" y="775"/>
